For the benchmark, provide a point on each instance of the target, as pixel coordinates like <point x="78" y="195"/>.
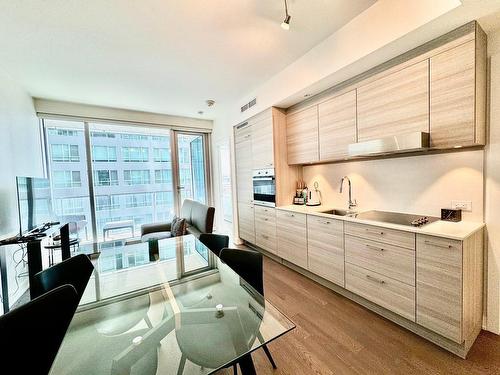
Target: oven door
<point x="264" y="190"/>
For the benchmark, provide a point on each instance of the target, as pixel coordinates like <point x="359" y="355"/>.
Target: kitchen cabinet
<point x="265" y="228"/>
<point x="291" y="233"/>
<point x="262" y="142"/>
<point x="302" y="136"/>
<point x="394" y="104"/>
<point x="382" y="290"/>
<point x="243" y="150"/>
<point x="455" y="107"/>
<point x="381" y="234"/>
<point x="337" y="126"/>
<point x="325" y="248"/>
<point x="246" y="220"/>
<point x="392" y="261"/>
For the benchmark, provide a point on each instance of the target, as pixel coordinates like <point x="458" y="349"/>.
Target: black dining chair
<point x="215" y="242"/>
<point x="248" y="264"/>
<point x="32" y="333"/>
<point x="75" y="271"/>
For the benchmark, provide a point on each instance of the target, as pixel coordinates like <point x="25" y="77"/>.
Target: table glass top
<point x="150" y="307"/>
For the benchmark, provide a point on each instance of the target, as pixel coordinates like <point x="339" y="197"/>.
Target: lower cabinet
<point x="325" y="248"/>
<point x="265" y="228"/>
<point x="439" y="286"/>
<point x="394" y="295"/>
<point x="246" y="219"/>
<point x="291" y="233"/>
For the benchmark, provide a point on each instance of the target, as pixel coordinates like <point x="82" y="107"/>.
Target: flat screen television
<point x="34" y="203"/>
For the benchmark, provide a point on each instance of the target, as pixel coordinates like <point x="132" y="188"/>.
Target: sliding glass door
<point x="118" y="177"/>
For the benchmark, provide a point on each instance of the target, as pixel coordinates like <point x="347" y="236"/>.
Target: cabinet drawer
<point x="265" y="228"/>
<point x="391" y="294"/>
<point x="265" y="215"/>
<point x="390" y="236"/>
<point x="388" y="260"/>
<point x="291" y="233"/>
<point x="325" y="248"/>
<point x="439" y="286"/>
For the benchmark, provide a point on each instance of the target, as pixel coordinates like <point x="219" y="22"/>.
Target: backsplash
<point x="416" y="184"/>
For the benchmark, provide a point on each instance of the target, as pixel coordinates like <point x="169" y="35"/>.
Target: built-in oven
<point x="264" y="187"/>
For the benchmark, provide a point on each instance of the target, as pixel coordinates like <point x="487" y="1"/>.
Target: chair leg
<point x="269" y="356"/>
<point x="182" y="363"/>
<point x="235" y="369"/>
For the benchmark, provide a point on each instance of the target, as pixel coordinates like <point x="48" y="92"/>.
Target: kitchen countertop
<point x="440" y="228"/>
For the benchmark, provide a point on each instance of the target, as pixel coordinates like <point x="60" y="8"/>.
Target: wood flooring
<point x="337" y="336"/>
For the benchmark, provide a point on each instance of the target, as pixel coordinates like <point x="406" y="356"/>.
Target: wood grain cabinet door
<point x="262" y="143"/>
<point x="243" y="161"/>
<point x="453" y="96"/>
<point x="395" y="104"/>
<point x="325" y="248"/>
<point x="337" y="126"/>
<point x="302" y="136"/>
<point x="439" y="286"/>
<point x="246" y="221"/>
<point x="291" y="233"/>
<point x="265" y="228"/>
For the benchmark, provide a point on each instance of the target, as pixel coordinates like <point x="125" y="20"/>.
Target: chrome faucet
<point x="351" y="203"/>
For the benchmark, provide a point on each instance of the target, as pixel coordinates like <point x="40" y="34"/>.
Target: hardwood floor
<point x="336" y="336"/>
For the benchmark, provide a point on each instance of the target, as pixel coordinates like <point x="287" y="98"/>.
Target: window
<point x="107" y="202"/>
<point x="97" y="134"/>
<point x="135" y="153"/>
<point x="164" y="198"/>
<point x="69" y="206"/>
<point x="103" y="153"/>
<point x="104" y="177"/>
<point x="66" y="179"/>
<point x="135" y="137"/>
<point x="163" y="176"/>
<point x="63" y="132"/>
<point x="64" y="153"/>
<point x="138" y="200"/>
<point x="161" y="154"/>
<point x="136" y="177"/>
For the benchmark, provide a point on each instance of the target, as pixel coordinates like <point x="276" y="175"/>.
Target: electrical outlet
<point x="462" y="205"/>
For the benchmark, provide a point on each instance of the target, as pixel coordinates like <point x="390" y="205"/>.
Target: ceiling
<point x="164" y="56"/>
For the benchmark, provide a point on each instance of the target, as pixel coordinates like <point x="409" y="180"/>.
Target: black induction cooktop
<point x="397" y="218"/>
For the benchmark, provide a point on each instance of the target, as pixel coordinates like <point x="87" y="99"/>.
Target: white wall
<point x="20" y="155"/>
<point x="417" y="184"/>
<point x="492" y="189"/>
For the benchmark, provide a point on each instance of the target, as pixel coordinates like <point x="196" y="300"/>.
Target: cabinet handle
<point x="374" y="247"/>
<point x="374" y="231"/>
<point x="438" y="245"/>
<point x="375" y="279"/>
<point x="247" y="136"/>
<point x="265" y="237"/>
<point x="266" y="219"/>
<point x="326" y="222"/>
<point x="292" y="215"/>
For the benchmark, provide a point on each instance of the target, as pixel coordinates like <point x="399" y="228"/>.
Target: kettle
<point x="314" y="196"/>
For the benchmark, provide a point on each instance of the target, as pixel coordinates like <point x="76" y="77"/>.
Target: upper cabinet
<point x="438" y="88"/>
<point x="302" y="136"/>
<point x="337" y="126"/>
<point x="262" y="141"/>
<point x="455" y="99"/>
<point x="397" y="103"/>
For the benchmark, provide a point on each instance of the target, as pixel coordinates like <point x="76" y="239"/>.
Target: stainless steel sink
<point x="338" y="212"/>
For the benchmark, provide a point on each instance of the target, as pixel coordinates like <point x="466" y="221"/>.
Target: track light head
<point x="286" y="23"/>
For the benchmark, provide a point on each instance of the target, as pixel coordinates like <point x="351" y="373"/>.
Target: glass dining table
<point x="165" y="307"/>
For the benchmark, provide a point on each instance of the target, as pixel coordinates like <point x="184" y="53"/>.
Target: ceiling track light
<point x="286" y="22"/>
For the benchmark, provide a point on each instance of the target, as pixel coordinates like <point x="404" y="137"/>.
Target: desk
<point x="148" y="318"/>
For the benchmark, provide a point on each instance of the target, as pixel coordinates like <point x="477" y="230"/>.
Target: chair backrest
<point x="32" y="333"/>
<point x="247" y="264"/>
<point x="198" y="215"/>
<point x="215" y="242"/>
<point x="75" y="271"/>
